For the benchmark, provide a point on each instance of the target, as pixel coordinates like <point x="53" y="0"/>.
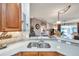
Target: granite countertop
<point x="61" y="47"/>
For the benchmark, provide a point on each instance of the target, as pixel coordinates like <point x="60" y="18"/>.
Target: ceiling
<point x="49" y="11"/>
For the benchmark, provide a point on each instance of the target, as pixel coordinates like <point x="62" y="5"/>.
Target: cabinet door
<point x="49" y="54"/>
<point x="29" y="53"/>
<point x="12" y="21"/>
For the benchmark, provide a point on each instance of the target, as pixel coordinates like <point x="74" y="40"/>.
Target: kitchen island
<point x="21" y="46"/>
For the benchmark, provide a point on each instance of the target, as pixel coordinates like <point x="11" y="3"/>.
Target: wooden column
<point x="78" y="27"/>
<point x="59" y="27"/>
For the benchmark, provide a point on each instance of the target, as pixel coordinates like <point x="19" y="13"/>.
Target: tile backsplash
<point x="16" y="36"/>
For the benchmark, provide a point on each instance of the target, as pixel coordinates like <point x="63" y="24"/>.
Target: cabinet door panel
<point x="49" y="54"/>
<point x="12" y="15"/>
<point x="29" y="53"/>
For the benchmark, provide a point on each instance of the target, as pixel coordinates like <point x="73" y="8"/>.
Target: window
<point x="68" y="30"/>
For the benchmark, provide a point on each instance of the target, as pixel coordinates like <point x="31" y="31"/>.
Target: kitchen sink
<point x="38" y="45"/>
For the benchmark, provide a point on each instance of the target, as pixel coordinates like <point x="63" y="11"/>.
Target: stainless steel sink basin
<point x="44" y="45"/>
<point x="38" y="45"/>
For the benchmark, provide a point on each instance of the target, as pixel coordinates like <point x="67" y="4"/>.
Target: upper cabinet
<point x="10" y="17"/>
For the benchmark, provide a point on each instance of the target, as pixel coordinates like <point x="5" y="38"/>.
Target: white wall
<point x="43" y="25"/>
<point x="33" y="23"/>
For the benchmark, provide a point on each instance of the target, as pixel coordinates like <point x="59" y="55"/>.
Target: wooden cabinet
<point x="39" y="54"/>
<point x="10" y="17"/>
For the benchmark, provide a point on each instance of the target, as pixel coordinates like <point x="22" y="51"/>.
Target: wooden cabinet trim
<point x="39" y="54"/>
